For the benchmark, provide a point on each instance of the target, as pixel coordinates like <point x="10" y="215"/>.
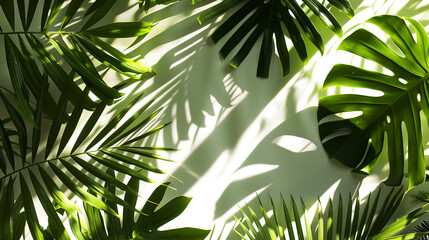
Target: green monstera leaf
<point x="358" y="141"/>
<point x="273" y="19"/>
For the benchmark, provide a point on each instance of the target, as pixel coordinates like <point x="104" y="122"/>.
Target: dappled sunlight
<point x="295" y="144"/>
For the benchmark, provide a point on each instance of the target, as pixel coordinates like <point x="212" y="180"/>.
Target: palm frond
<point x="29" y="55"/>
<point x="359" y="220"/>
<point x="149" y="218"/>
<point x="73" y="166"/>
<point x="272" y="19"/>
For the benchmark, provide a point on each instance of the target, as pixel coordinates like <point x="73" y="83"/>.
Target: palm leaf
<point x="72" y="169"/>
<point x="266" y="19"/>
<point x="25" y="72"/>
<point x="149" y="218"/>
<point x="357" y="142"/>
<point x="332" y="223"/>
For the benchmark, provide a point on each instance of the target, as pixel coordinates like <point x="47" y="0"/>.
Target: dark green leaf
<point x="32" y="5"/>
<point x="95" y="222"/>
<point x="128" y="214"/>
<point x="6" y="206"/>
<point x="19" y="226"/>
<point x="176" y="234"/>
<point x="113" y="224"/>
<point x="21" y="10"/>
<point x="327" y="18"/>
<point x="88" y="127"/>
<point x="111" y="57"/>
<point x="103" y="176"/>
<point x="56" y="72"/>
<point x="45" y="14"/>
<point x="132" y="161"/>
<point x="56" y="122"/>
<point x="93" y="81"/>
<point x="2" y="162"/>
<point x="38" y="118"/>
<point x="120" y="168"/>
<point x="94" y="186"/>
<point x="113" y="123"/>
<point x="120" y="133"/>
<point x="168" y="212"/>
<point x="55" y="224"/>
<point x="85" y="196"/>
<point x="265" y="54"/>
<point x="281" y="48"/>
<point x="7" y="145"/>
<point x="306" y="25"/>
<point x="72" y="122"/>
<point x="8" y="7"/>
<point x="232" y="21"/>
<point x="344" y="6"/>
<point x="20" y="127"/>
<point x="17" y="79"/>
<point x="34" y="79"/>
<point x="30" y="211"/>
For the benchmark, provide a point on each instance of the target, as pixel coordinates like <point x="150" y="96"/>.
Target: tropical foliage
<point x="273" y="19"/>
<point x="149" y="219"/>
<point x="352" y="219"/>
<point x="358" y="141"/>
<point x="66" y="134"/>
<point x="48" y="139"/>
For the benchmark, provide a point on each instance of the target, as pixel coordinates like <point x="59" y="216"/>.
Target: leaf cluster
<point x="351" y="219"/>
<point x="273" y="19"/>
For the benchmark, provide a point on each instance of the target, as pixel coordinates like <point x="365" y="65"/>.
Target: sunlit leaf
<point x="401" y="102"/>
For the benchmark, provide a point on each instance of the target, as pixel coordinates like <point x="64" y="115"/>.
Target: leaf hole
<point x="349" y="115"/>
<point x="419" y="97"/>
<point x="388" y="119"/>
<point x="403" y="81"/>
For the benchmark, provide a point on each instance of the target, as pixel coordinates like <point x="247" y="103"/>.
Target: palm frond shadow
<point x="289" y="157"/>
<point x="185" y="84"/>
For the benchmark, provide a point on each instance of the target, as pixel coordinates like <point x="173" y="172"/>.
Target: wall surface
<point x="240" y="135"/>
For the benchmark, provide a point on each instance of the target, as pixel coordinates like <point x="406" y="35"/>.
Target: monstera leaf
<point x="137" y="225"/>
<point x="358" y="141"/>
<point x="52" y="47"/>
<point x="52" y="165"/>
<point x="272" y="19"/>
<point x="351" y="219"/>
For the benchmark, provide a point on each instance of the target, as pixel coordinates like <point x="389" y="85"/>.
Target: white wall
<point x="239" y="134"/>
